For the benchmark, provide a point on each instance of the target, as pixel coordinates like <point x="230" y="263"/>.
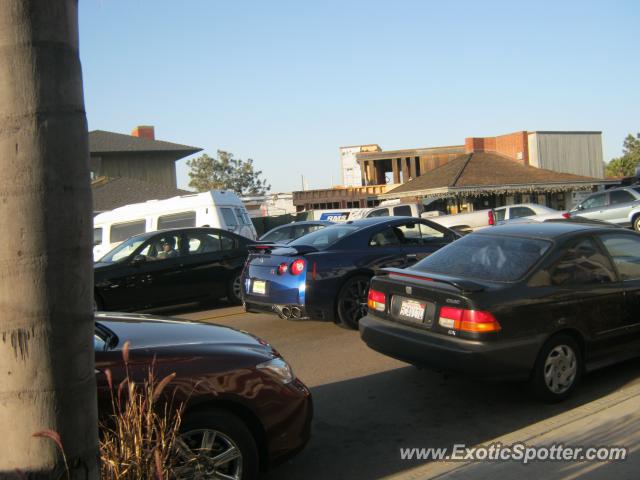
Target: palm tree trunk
<point x="47" y="379"/>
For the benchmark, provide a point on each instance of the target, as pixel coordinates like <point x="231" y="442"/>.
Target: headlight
<point x="279" y="369"/>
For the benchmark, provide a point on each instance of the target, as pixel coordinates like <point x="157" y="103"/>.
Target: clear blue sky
<point x="287" y="83"/>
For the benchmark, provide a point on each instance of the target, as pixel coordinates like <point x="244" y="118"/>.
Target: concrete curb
<point x="437" y="470"/>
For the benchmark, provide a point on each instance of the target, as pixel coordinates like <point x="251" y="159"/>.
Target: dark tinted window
<point x="595" y="201"/>
<point x="229" y="217"/>
<point x="383" y="212"/>
<point x="519" y="212"/>
<point x="582" y="264"/>
<point x="97" y="236"/>
<point x="391" y="236"/>
<point x="177" y="220"/>
<point x="499" y="214"/>
<point x="327" y="236"/>
<point x="278" y="235"/>
<point x="620" y="196"/>
<point x="198" y="243"/>
<point x="486" y="257"/>
<point x="625" y="251"/>
<point x="122" y="231"/>
<point x="402" y="211"/>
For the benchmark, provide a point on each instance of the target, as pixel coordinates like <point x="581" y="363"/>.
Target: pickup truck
<point x="466" y="222"/>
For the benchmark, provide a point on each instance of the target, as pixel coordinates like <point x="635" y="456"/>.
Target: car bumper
<point x="293" y="311"/>
<point x="504" y="359"/>
<point x="292" y="432"/>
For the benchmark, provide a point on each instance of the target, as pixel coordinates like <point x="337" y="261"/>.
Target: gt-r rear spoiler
<point x="268" y="247"/>
<point x="459" y="283"/>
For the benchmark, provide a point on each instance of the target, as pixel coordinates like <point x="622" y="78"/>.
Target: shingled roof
<point x="110" y="193"/>
<point x="101" y="141"/>
<point x="484" y="173"/>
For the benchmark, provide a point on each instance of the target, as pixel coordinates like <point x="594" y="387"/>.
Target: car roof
<point x="546" y="230"/>
<point x="365" y="222"/>
<point x="153" y="233"/>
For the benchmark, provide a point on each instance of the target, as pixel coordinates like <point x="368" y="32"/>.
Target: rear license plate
<point x="259" y="286"/>
<point x="412" y="310"/>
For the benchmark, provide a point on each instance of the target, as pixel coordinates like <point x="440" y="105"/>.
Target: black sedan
<point x="538" y="302"/>
<point x="291" y="231"/>
<point x="325" y="274"/>
<point x="169" y="267"/>
<point x="244" y="409"/>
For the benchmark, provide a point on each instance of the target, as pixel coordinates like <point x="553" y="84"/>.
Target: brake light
<point x="566" y="215"/>
<point x="282" y="268"/>
<point x="468" y="320"/>
<point x="297" y="267"/>
<point x="492" y="218"/>
<point x="376" y="300"/>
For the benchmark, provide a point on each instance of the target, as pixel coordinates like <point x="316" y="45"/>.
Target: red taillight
<point x="566" y="215"/>
<point x="282" y="268"/>
<point x="297" y="267"/>
<point x="468" y="320"/>
<point x="492" y="218"/>
<point x="313" y="271"/>
<point x="376" y="300"/>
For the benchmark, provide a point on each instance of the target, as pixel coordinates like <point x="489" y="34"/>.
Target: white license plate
<point x="412" y="310"/>
<point x="259" y="286"/>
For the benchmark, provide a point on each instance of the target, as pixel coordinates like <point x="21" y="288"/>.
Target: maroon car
<point x="243" y="403"/>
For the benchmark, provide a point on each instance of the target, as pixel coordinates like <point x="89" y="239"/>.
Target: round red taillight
<point x="297" y="267"/>
<point x="282" y="268"/>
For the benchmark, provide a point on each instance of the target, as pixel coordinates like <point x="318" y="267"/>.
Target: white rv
<point x="216" y="208"/>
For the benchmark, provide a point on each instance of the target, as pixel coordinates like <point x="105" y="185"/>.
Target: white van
<point x="216" y="208"/>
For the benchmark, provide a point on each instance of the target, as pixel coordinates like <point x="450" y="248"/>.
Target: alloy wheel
<point x="354" y="301"/>
<point x="236" y="287"/>
<point x="560" y="369"/>
<point x="209" y="454"/>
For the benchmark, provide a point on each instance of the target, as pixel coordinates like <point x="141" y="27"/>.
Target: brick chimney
<point x="144" y="131"/>
<point x="513" y="145"/>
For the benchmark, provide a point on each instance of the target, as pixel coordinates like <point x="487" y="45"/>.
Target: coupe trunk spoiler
<point x="267" y="247"/>
<point x="459" y="283"/>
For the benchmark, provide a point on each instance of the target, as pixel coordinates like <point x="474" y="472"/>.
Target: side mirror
<point x="139" y="260"/>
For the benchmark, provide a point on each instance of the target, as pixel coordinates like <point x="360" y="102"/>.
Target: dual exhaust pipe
<point x="288" y="312"/>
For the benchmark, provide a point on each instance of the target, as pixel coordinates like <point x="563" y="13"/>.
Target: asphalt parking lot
<point x="368" y="406"/>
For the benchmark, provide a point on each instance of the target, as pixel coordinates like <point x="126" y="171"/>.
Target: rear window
<point x="326" y="237"/>
<point x="486" y="257"/>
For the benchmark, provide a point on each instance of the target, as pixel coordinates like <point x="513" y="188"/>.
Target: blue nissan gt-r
<point x="325" y="274"/>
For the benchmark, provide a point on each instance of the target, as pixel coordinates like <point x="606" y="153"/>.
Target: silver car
<point x="618" y="205"/>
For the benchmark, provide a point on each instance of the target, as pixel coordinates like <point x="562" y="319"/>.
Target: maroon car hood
<point x="146" y="331"/>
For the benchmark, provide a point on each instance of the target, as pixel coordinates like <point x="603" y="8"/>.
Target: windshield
<point x="486" y="257"/>
<point x="122" y="251"/>
<point x="326" y="237"/>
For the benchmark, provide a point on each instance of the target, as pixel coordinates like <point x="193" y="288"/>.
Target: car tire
<point x="557" y="370"/>
<point x="228" y="433"/>
<point x="352" y="301"/>
<point x="234" y="292"/>
<point x="636" y="223"/>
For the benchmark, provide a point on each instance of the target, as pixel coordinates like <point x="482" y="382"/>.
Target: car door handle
<point x="412" y="255"/>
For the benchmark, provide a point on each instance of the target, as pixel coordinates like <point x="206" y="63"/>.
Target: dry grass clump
<point x="140" y="437"/>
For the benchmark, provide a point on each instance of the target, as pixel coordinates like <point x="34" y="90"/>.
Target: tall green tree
<point x="625" y="166"/>
<point x="47" y="376"/>
<point x="227" y="173"/>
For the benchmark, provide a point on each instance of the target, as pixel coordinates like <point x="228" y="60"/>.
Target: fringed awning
<point x="487" y="190"/>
